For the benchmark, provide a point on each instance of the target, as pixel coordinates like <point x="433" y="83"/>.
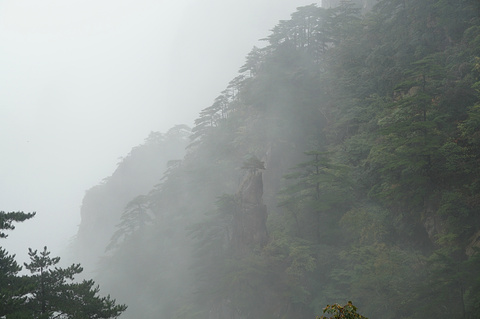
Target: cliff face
<point x="249" y="220"/>
<point x="136" y="174"/>
<point x="359" y="214"/>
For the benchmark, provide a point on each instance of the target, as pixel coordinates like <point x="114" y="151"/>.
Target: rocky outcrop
<point x="433" y="224"/>
<point x="136" y="174"/>
<point x="249" y="221"/>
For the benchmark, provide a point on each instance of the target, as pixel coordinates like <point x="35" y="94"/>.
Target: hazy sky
<point x="84" y="81"/>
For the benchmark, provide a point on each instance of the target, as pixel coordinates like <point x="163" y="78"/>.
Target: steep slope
<point x="367" y="127"/>
<point x="136" y="174"/>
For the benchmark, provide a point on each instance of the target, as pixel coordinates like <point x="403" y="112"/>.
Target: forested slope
<point x="136" y="174"/>
<point x="342" y="163"/>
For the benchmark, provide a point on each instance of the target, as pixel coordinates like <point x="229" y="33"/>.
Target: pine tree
<point x="13" y="288"/>
<point x="55" y="294"/>
<point x="50" y="292"/>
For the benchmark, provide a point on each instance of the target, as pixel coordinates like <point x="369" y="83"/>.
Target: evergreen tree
<point x="7" y="219"/>
<point x="13" y="288"/>
<point x="55" y="294"/>
<point x="385" y="214"/>
<point x="50" y="292"/>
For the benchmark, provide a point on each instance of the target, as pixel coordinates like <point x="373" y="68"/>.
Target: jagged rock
<point x="249" y="221"/>
<point x="135" y="175"/>
<point x="433" y="226"/>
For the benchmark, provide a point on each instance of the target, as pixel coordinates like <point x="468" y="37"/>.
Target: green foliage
<point x="348" y="311"/>
<point x="135" y="217"/>
<point x="50" y="291"/>
<point x="382" y="208"/>
<point x="13" y="288"/>
<point x="318" y="193"/>
<point x="55" y="294"/>
<point x="6" y="220"/>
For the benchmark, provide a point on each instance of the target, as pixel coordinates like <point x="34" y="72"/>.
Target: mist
<point x="241" y="160"/>
<point x="82" y="82"/>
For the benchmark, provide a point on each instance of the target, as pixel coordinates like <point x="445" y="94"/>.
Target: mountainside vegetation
<point x="135" y="175"/>
<point x="342" y="163"/>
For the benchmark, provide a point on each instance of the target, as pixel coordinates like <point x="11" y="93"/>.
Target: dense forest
<point x="342" y="163"/>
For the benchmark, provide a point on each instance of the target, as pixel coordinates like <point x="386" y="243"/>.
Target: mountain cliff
<point x="367" y="189"/>
<point x="136" y="174"/>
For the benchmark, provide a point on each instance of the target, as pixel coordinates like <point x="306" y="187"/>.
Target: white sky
<point x="84" y="81"/>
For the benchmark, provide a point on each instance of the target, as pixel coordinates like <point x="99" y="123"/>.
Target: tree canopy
<point x="50" y="291"/>
<point x="368" y="125"/>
